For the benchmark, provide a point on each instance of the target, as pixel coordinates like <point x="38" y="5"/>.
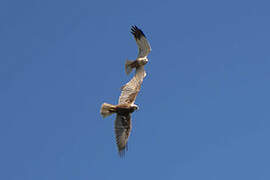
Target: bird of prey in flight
<point x="129" y="92"/>
<point x="144" y="49"/>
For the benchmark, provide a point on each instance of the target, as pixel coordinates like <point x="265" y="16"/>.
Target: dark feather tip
<point x="136" y="32"/>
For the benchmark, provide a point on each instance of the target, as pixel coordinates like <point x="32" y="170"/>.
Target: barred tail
<point x="107" y="109"/>
<point x="129" y="66"/>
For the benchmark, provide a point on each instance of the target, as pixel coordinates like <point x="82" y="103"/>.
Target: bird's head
<point x="134" y="107"/>
<point x="145" y="61"/>
<point x="142" y="61"/>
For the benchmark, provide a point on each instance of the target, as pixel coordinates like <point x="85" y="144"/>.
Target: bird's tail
<point x="129" y="66"/>
<point x="107" y="109"/>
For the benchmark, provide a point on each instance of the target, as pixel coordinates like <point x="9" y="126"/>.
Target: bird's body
<point x="109" y="109"/>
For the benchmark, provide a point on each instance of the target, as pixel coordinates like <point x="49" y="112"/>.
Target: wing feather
<point x="142" y="42"/>
<point x="132" y="88"/>
<point x="122" y="127"/>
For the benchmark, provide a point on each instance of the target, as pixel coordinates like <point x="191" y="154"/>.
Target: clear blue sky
<point x="204" y="105"/>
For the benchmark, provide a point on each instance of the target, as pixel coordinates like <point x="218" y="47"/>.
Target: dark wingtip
<point x="136" y="32"/>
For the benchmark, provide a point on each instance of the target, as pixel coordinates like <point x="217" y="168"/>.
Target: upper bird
<point x="144" y="50"/>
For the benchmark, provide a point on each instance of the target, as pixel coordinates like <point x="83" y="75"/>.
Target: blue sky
<point x="204" y="105"/>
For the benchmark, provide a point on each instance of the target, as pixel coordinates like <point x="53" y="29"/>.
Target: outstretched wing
<point x="122" y="128"/>
<point x="132" y="88"/>
<point x="142" y="42"/>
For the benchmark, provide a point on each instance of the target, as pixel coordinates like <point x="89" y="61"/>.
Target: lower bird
<point x="124" y="109"/>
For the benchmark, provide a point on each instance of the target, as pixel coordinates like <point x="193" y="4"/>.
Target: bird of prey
<point x="124" y="109"/>
<point x="144" y="49"/>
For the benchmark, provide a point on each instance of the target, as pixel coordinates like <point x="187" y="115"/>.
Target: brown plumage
<point x="124" y="109"/>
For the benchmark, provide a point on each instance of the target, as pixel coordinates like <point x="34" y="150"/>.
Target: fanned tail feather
<point x="107" y="109"/>
<point x="128" y="66"/>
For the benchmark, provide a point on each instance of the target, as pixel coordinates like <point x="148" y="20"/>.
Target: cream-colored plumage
<point x="132" y="88"/>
